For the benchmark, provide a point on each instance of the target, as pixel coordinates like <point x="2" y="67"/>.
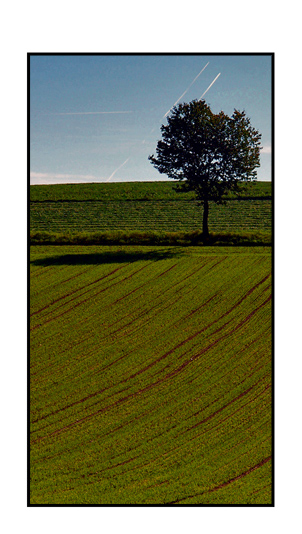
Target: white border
<point x="159" y="27"/>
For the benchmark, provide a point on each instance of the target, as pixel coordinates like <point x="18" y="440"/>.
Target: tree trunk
<point x="205" y="229"/>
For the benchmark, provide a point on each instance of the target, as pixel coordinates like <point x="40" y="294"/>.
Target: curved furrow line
<point x="71" y="405"/>
<point x="75" y="291"/>
<point x="236" y="305"/>
<point x="89" y="269"/>
<point x="166" y="271"/>
<point x="238" y="445"/>
<point x="224" y="484"/>
<point x="38" y="271"/>
<point x="236" y="458"/>
<point x="50" y="365"/>
<point x="217" y="399"/>
<point x="169" y="288"/>
<point x="85" y="300"/>
<point x="211" y="429"/>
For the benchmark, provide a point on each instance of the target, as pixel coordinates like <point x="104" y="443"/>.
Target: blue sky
<point x="98" y="118"/>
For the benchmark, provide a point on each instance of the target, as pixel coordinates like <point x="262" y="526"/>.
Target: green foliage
<point x="150" y="375"/>
<point x="208" y="153"/>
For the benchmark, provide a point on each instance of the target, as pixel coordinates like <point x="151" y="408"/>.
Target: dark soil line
<point x="108" y="336"/>
<point x="229" y="416"/>
<point x="206" y="261"/>
<point x="129" y="422"/>
<point x="68" y="406"/>
<point x="221" y="409"/>
<point x="221" y="396"/>
<point x="224" y="484"/>
<point x="162" y="293"/>
<point x="243" y="349"/>
<point x="133" y="311"/>
<point x="167" y="270"/>
<point x="140" y="316"/>
<point x="229" y="311"/>
<point x="217" y="263"/>
<point x="85" y="300"/>
<point x="200" y="307"/>
<point x="251" y="314"/>
<point x="264" y="487"/>
<point x="128" y="294"/>
<point x="250" y="291"/>
<point x="154" y="362"/>
<point x="169" y="288"/>
<point x="38" y="271"/>
<point x="173" y="349"/>
<point x="235" y="459"/>
<point x="76" y="290"/>
<point x="206" y="349"/>
<point x="43" y="370"/>
<point x="80" y="401"/>
<point x="111" y="467"/>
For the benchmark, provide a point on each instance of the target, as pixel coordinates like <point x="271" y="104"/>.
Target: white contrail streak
<point x="186" y="90"/>
<point x="210" y="86"/>
<point x="117" y="170"/>
<point x="90" y="113"/>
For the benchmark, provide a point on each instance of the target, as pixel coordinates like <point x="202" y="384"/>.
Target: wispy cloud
<point x="267" y="149"/>
<point x="91" y="113"/>
<point x="41" y="178"/>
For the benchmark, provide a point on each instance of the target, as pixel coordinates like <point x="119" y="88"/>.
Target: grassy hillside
<point x="145" y="207"/>
<point x="150" y="375"/>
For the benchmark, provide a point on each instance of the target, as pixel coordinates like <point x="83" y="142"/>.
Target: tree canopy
<point x="206" y="152"/>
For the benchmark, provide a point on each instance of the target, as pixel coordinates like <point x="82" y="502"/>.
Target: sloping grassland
<point x="150" y="375"/>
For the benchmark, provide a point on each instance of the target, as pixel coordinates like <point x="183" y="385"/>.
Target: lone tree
<point x="208" y="153"/>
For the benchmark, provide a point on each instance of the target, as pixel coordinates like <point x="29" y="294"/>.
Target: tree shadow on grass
<point x="106" y="257"/>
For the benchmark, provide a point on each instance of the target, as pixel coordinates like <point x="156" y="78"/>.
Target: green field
<point x="164" y="190"/>
<point x="150" y="373"/>
<point x="148" y="207"/>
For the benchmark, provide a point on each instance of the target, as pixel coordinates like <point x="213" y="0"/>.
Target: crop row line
<point x="245" y="473"/>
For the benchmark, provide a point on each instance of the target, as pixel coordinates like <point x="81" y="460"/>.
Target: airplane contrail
<point x="186" y="90"/>
<point x="117" y="169"/>
<point x="210" y="86"/>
